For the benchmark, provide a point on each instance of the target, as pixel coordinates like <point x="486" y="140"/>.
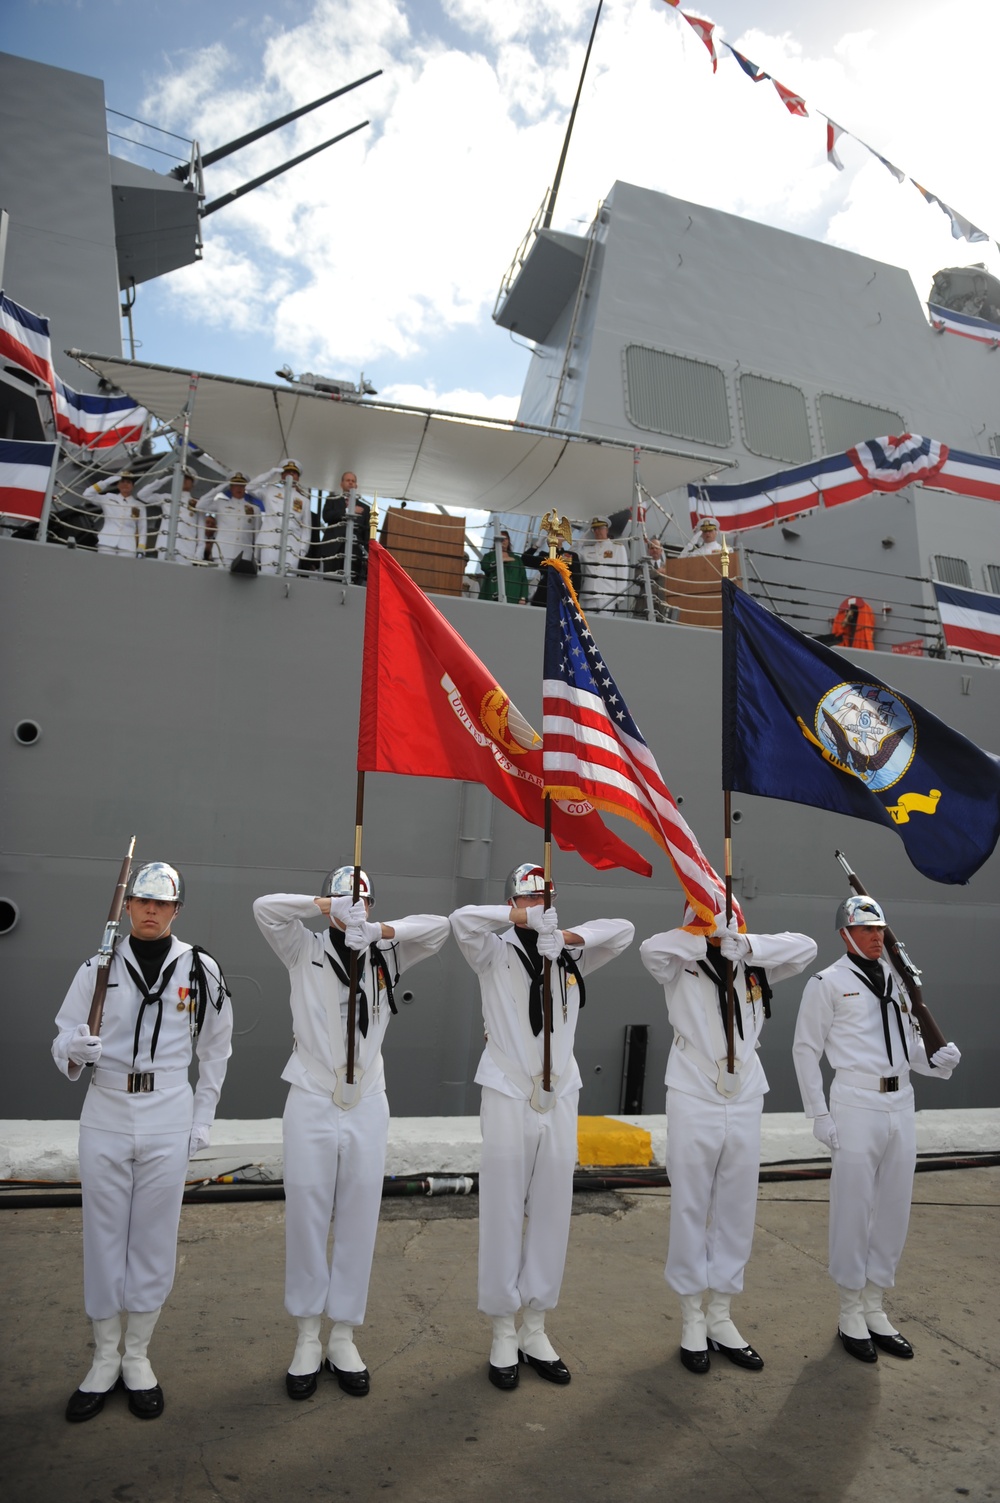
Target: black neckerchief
<point x="880" y="983"/>
<point x="149" y="999"/>
<point x="150" y="954"/>
<point x="379" y="967"/>
<point x="714" y="967"/>
<point x="526" y="950"/>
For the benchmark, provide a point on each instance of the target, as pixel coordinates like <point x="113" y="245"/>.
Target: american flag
<point x="592" y="748"/>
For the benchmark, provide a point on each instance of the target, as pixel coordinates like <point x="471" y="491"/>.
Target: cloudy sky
<point x="385" y="253"/>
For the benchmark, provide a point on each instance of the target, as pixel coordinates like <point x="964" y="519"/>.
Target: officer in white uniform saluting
<point x="713" y="1118"/>
<point x="529" y="1134"/>
<point x="856" y="1013"/>
<point x="124" y="528"/>
<point x="270" y="487"/>
<point x="140" y="1124"/>
<point x="335" y="1132"/>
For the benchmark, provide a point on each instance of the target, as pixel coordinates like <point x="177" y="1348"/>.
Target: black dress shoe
<point x="145" y="1403"/>
<point x="504" y="1377"/>
<point x="301" y="1385"/>
<point x="695" y="1362"/>
<point x="742" y="1356"/>
<point x="895" y="1345"/>
<point x="859" y="1346"/>
<point x="83" y="1405"/>
<point x="556" y="1372"/>
<point x="357" y="1383"/>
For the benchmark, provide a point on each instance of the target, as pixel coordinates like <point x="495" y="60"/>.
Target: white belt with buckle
<point x="884" y="1084"/>
<point x="138" y="1082"/>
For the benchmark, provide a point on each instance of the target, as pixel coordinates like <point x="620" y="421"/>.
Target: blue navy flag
<point x="801" y="723"/>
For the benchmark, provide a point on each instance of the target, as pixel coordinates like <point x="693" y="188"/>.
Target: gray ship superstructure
<point x="216" y="715"/>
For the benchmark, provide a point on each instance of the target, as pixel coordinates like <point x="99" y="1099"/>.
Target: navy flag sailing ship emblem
<point x="804" y="724"/>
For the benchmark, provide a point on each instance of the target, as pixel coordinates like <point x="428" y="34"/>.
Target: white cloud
<point x="460" y="399"/>
<point x="381" y="246"/>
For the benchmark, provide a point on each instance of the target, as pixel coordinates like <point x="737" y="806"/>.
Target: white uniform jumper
<point x="270" y="487"/>
<point x="871" y="1182"/>
<point x="528" y="1155"/>
<point x="713" y="1135"/>
<point x="236" y="522"/>
<point x="190" y="541"/>
<point x="124" y="526"/>
<point x="334" y="1155"/>
<point x="134" y="1147"/>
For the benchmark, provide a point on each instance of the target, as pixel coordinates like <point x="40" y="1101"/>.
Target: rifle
<point x="108" y="943"/>
<point x="932" y="1036"/>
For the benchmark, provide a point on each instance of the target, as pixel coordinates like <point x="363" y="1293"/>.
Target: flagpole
<point x="352" y="999"/>
<point x="547" y="964"/>
<point x="728" y="849"/>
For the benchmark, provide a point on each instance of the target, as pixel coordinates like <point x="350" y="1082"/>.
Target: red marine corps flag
<point x="431" y="709"/>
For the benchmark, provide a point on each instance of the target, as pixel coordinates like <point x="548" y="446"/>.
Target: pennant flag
<point x="431" y="709"/>
<point x="594" y="749"/>
<point x="833" y="134"/>
<point x="24" y="477"/>
<point x="897" y="172"/>
<point x="794" y="103"/>
<point x="24" y="339"/>
<point x="946" y="320"/>
<point x="750" y="69"/>
<point x="970" y="619"/>
<point x="802" y="723"/>
<point x="706" y="31"/>
<point x="961" y="228"/>
<point x="878" y="464"/>
<point x="96" y="422"/>
<point x="674" y="3"/>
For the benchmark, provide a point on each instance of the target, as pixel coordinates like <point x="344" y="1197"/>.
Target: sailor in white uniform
<point x="237" y="513"/>
<point x="140" y="1124"/>
<point x="335" y="1132"/>
<point x="270" y="487"/>
<point x="856" y="1013"/>
<point x="529" y="1134"/>
<point x="607" y="575"/>
<point x="124" y="526"/>
<point x="190" y="542"/>
<point x="704" y="541"/>
<point x="713" y="1118"/>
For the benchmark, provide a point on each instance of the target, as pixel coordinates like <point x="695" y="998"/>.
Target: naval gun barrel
<point x="265" y="177"/>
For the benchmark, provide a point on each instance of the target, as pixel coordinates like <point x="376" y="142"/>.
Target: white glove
<point x="360" y="936"/>
<point x="947" y="1057"/>
<point x="733" y="945"/>
<point x="200" y="1134"/>
<point x="84" y="1046"/>
<point x="340" y="910"/>
<point x="550" y="944"/>
<point x="825" y="1131"/>
<point x="541" y="919"/>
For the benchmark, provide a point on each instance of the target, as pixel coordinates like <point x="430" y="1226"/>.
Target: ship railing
<point x="521" y="254"/>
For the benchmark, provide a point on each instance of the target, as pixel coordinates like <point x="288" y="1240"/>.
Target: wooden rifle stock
<point x="108" y="943"/>
<point x="931" y="1034"/>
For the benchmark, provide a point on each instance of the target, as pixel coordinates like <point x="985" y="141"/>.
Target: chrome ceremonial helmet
<point x="526" y="881"/>
<point x="340" y="884"/>
<point x="859" y="913"/>
<point x="156" y="880"/>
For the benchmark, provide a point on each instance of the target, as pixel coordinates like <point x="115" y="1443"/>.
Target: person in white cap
<point x="529" y="1133"/>
<point x="237" y="512"/>
<point x="141" y="1123"/>
<point x="124" y="527"/>
<point x="607" y="576"/>
<point x="705" y="539"/>
<point x="856" y="1013"/>
<point x="190" y="540"/>
<point x="713" y="1118"/>
<point x="334" y="1130"/>
<point x="270" y="487"/>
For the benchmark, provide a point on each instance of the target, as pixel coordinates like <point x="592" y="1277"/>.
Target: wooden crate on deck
<point x="693" y="588"/>
<point x="429" y="546"/>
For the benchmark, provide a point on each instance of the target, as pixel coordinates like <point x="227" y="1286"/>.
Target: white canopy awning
<point x="402" y="453"/>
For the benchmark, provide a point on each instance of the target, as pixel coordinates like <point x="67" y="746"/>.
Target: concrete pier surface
<point x="815" y="1426"/>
